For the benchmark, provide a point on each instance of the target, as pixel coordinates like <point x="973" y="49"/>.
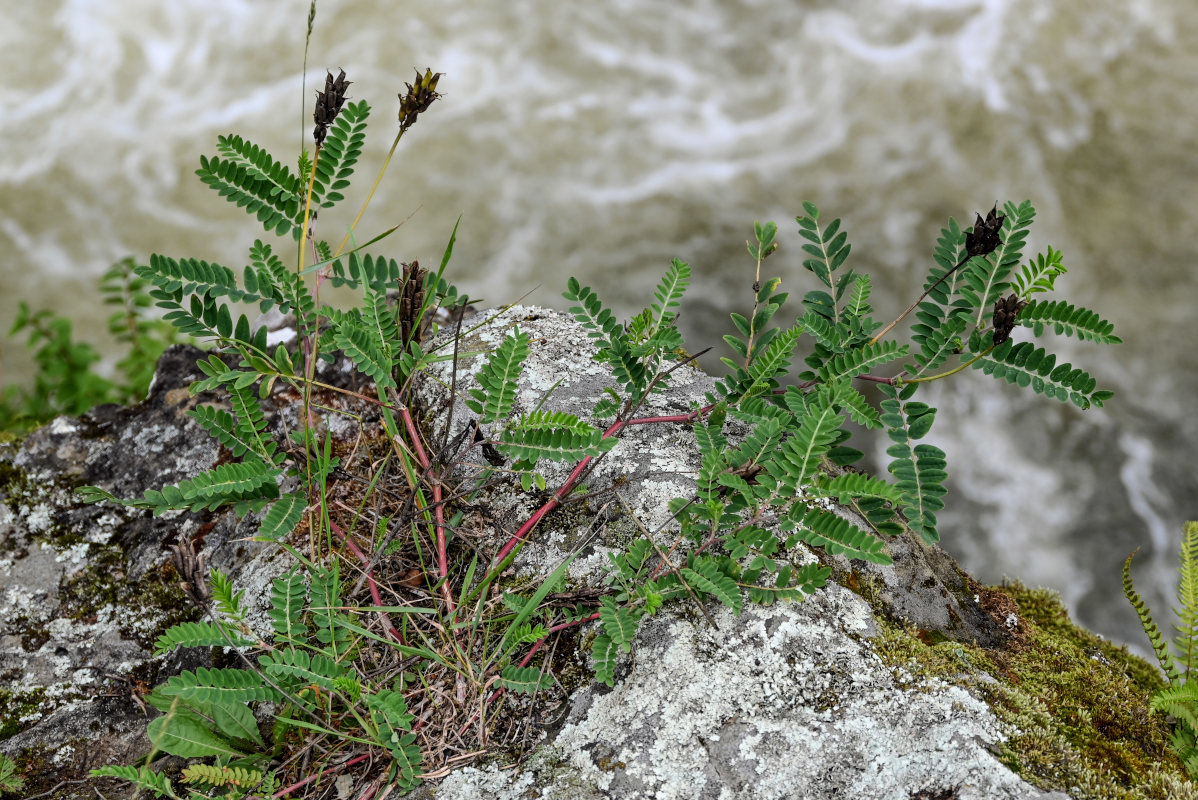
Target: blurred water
<point x="602" y="139"/>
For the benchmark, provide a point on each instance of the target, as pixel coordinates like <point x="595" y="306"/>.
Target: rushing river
<point x="602" y="139"/>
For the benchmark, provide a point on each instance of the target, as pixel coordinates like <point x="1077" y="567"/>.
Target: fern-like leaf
<point x="599" y="321"/>
<point x="985" y="278"/>
<point x="218" y="686"/>
<point x="287" y="594"/>
<point x="339" y="153"/>
<point x="619" y="623"/>
<point x="1040" y="275"/>
<point x="198" y="634"/>
<point x="854" y="485"/>
<point x="222" y="775"/>
<point x="669" y="294"/>
<point x="861" y="360"/>
<point x="1025" y="364"/>
<point x="556" y="436"/>
<point x="1159" y="645"/>
<point x="141" y="777"/>
<point x="919" y="468"/>
<point x="525" y="680"/>
<point x="1186" y="611"/>
<point x="704" y="575"/>
<point x="298" y="664"/>
<point x="1179" y="701"/>
<point x="828" y="248"/>
<point x="283" y="516"/>
<point x="836" y="535"/>
<point x="797" y="460"/>
<point x="1065" y="319"/>
<point x="250" y="179"/>
<point x="605" y="652"/>
<point x="498" y="379"/>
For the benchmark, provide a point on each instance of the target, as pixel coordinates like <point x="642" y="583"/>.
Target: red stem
<point x="289" y="789"/>
<point x="374" y="587"/>
<point x="438" y="510"/>
<point x="527" y="658"/>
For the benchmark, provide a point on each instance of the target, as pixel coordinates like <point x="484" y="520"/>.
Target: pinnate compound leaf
<point x="498" y="379"/>
<point x="861" y="360"/>
<point x="1068" y="320"/>
<point x="218" y="686"/>
<point x="142" y="777"/>
<point x="525" y="680"/>
<point x="197" y="634"/>
<point x="283" y="516"/>
<point x="605" y="653"/>
<point x="824" y="529"/>
<point x="221" y="775"/>
<point x="619" y="623"/>
<point x="706" y="577"/>
<point x="1025" y="364"/>
<point x="287" y="595"/>
<point x="318" y="669"/>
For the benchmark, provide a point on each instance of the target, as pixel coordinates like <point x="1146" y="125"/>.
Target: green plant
<point x="772" y="443"/>
<point x="1180" y="698"/>
<point x="66" y="381"/>
<point x="10" y="782"/>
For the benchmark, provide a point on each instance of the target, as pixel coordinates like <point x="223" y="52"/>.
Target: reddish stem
<point x="438" y="510"/>
<point x="289" y="789"/>
<point x="554" y="501"/>
<point x="374" y="587"/>
<point x="527" y="658"/>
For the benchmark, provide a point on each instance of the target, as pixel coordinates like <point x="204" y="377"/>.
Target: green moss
<point x="1074" y="705"/>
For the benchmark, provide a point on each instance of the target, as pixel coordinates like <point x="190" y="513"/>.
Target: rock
<point x="904" y="681"/>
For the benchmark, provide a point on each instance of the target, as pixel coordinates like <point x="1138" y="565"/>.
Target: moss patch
<point x="1075" y="705"/>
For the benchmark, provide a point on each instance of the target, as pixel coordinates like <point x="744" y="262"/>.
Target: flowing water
<point x="602" y="139"/>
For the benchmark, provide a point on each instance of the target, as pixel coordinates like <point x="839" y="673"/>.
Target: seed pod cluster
<point x="328" y="105"/>
<point x="1006" y="312"/>
<point x="419" y="97"/>
<point x="983" y="239"/>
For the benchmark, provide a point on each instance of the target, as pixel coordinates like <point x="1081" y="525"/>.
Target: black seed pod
<point x="328" y="104"/>
<point x="1006" y="311"/>
<point x="419" y="97"/>
<point x="983" y="239"/>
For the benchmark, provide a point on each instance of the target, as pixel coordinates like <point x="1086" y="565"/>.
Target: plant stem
<point x="366" y="202"/>
<point x="954" y="370"/>
<point x="913" y="306"/>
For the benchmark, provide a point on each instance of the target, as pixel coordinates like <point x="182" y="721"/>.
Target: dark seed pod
<point x="984" y="238"/>
<point x="419" y="97"/>
<point x="1006" y="312"/>
<point x="329" y="104"/>
<point x="193" y="573"/>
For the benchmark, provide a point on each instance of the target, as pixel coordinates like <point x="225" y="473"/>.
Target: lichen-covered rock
<point x="905" y="681"/>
